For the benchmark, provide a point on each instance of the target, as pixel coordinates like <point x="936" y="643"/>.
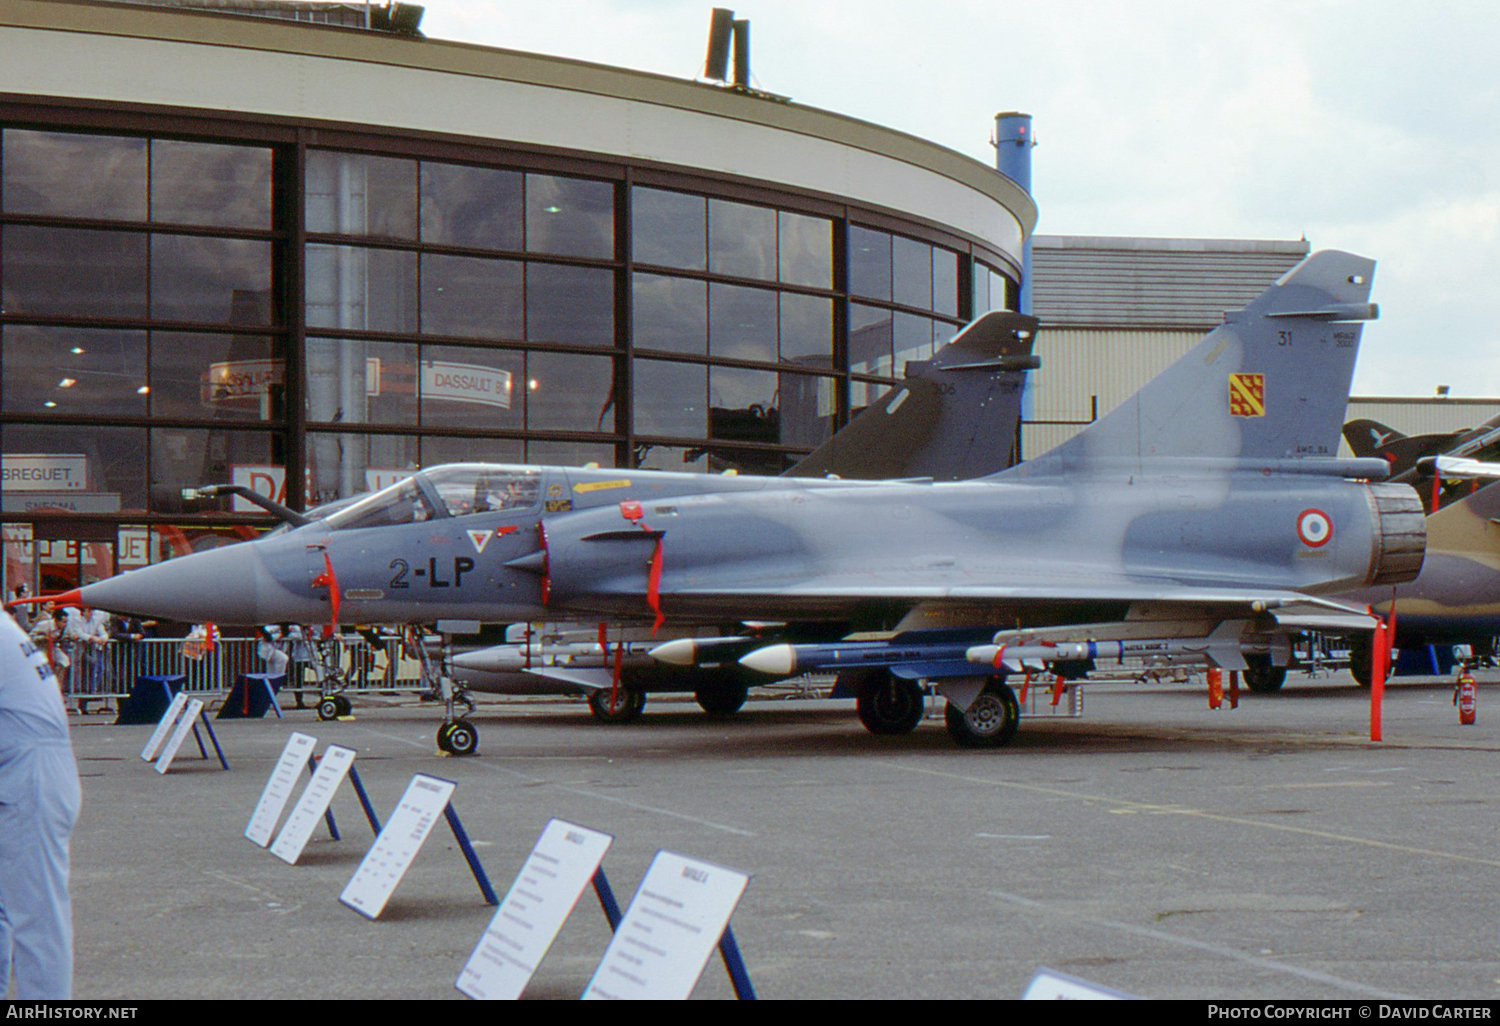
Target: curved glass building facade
<point x="202" y="292"/>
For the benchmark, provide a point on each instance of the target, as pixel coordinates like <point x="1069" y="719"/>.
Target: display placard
<point x="316" y="797"/>
<point x="163" y="725"/>
<point x="672" y="926"/>
<point x="560" y="866"/>
<point x="184" y="726"/>
<point x="1051" y="985"/>
<point x="299" y="748"/>
<point x="391" y="855"/>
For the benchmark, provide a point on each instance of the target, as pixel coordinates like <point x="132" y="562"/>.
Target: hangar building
<point x="270" y="251"/>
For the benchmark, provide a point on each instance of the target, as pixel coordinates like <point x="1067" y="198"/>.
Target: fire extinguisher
<point x="1463" y="696"/>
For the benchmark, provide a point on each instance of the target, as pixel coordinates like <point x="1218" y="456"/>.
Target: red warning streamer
<point x="328" y="579"/>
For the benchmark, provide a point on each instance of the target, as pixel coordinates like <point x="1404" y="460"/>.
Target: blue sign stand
<point x="364" y="800"/>
<point x="729" y="949"/>
<point x="480" y="877"/>
<point x="212" y="737"/>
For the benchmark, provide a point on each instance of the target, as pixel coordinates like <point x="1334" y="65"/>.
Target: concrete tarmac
<point x="1153" y="846"/>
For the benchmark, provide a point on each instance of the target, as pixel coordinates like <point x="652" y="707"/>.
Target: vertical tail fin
<point x="954" y="417"/>
<point x="1270" y="383"/>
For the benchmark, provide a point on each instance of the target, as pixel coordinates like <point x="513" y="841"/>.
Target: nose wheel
<point x="331" y="707"/>
<point x="458" y="737"/>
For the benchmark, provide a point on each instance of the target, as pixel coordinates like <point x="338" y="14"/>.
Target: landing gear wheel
<point x="1361" y="661"/>
<point x="990" y="721"/>
<point x="461" y="739"/>
<point x="1260" y="676"/>
<point x="625" y="708"/>
<point x="887" y="704"/>
<point x="328" y="708"/>
<point x="721" y="699"/>
<point x="442" y="735"/>
<point x="345" y="708"/>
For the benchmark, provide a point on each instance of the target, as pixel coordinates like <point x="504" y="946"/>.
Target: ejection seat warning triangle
<point x="262" y="826"/>
<point x="168" y="718"/>
<point x="391" y="855"/>
<point x="316" y="797"/>
<point x="669" y="931"/>
<point x="547" y="889"/>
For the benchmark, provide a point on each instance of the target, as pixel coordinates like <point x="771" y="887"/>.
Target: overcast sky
<point x="1367" y="126"/>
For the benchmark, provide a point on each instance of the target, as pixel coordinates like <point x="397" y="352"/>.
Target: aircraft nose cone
<point x="228" y="585"/>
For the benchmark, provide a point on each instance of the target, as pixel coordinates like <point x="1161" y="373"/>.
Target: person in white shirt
<point x="39" y="799"/>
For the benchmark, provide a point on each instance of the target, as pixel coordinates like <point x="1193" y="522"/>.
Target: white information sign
<point x="43" y="472"/>
<point x="299" y="748"/>
<point x="163" y="725"/>
<point x="1050" y="985"/>
<point x="465" y="382"/>
<point x="546" y="890"/>
<point x="391" y="855"/>
<point x="184" y="725"/>
<point x="316" y="796"/>
<point x="672" y="926"/>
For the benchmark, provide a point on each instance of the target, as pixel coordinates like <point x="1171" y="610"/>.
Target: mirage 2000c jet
<point x="1207" y="516"/>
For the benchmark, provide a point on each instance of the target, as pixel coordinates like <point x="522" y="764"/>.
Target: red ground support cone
<point x="1464" y="697"/>
<point x="1215" y="687"/>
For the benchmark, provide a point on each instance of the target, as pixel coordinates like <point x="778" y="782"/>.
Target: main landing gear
<point x="888" y="704"/>
<point x="1260" y="676"/>
<point x="990" y="720"/>
<point x="616" y="705"/>
<point x="331" y="707"/>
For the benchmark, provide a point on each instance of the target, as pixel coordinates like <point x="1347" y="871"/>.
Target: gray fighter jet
<point x="1209" y="510"/>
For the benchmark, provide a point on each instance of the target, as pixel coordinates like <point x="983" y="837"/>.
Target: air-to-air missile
<point x="1211" y="496"/>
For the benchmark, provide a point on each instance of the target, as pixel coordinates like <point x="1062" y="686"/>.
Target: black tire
<point x="1260" y="676"/>
<point x="344" y="706"/>
<point x="1362" y="659"/>
<point x="462" y="738"/>
<point x="328" y="708"/>
<point x="991" y="721"/>
<point x="442" y="735"/>
<point x="888" y="704"/>
<point x="627" y="706"/>
<point x="722" y="699"/>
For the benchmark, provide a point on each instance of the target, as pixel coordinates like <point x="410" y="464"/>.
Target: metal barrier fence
<point x="111" y="670"/>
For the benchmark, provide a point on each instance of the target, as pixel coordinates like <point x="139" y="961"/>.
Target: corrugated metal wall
<point x="1080" y="281"/>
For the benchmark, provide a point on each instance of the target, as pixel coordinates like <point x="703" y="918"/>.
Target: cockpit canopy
<point x="454" y="490"/>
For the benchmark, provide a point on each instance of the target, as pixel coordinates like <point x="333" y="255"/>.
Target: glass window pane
<point x="741" y="240"/>
<point x="72" y="272"/>
<point x="806" y="330"/>
<point x="356" y="194"/>
<point x="807" y="409"/>
<point x="214" y="280"/>
<point x="472" y="388"/>
<point x="437" y="451"/>
<point x="806" y="250"/>
<point x="669" y="228"/>
<point x="471" y="206"/>
<point x="945" y="281"/>
<point x="60" y="174"/>
<point x="981" y="289"/>
<point x="352" y="382"/>
<point x="742" y="405"/>
<point x="569" y="392"/>
<point x="670" y="398"/>
<point x="671" y="457"/>
<point x="361" y="289"/>
<point x="471" y="296"/>
<point x="913" y="340"/>
<point x="570" y="304"/>
<point x="570" y="216"/>
<point x="569" y="454"/>
<point x="869" y="340"/>
<point x="210" y="184"/>
<point x="863" y="393"/>
<point x="942" y="334"/>
<point x="216" y="377"/>
<point x="670" y="313"/>
<point x="869" y="263"/>
<point x="912" y="281"/>
<point x="73" y="371"/>
<point x="341" y="465"/>
<point x="742" y="322"/>
<point x="97" y="470"/>
<point x="190" y="457"/>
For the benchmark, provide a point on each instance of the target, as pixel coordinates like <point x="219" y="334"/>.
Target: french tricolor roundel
<point x="1314" y="528"/>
